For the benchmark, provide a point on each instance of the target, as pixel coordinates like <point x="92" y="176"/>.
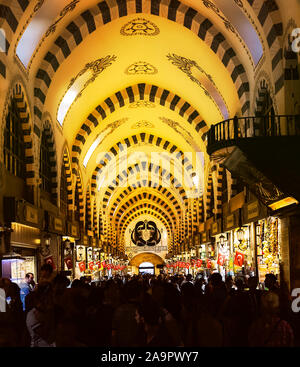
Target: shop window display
<point x="268" y="247"/>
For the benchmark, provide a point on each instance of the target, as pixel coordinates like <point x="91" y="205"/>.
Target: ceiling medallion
<point x="139" y="27"/>
<point x="146" y="104"/>
<point x="143" y="123"/>
<point x="141" y="67"/>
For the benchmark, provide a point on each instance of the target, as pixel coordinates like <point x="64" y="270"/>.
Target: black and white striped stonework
<point x="107" y="11"/>
<point x="269" y="17"/>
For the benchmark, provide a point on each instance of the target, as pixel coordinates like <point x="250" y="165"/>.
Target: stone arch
<point x="130" y="95"/>
<point x="66" y="161"/>
<point x="48" y="131"/>
<point x="143" y="167"/>
<point x="17" y="92"/>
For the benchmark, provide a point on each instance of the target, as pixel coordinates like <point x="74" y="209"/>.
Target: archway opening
<point x="146" y="268"/>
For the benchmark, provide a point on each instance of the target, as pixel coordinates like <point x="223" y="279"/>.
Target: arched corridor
<point x="160" y="131"/>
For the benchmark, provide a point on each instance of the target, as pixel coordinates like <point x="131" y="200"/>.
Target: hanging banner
<point x="239" y="259"/>
<point x="91" y="265"/>
<point x="49" y="260"/>
<point x="69" y="262"/>
<point x="81" y="266"/>
<point x="221" y="259"/>
<point x="208" y="263"/>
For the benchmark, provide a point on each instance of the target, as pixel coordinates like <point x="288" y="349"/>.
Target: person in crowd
<point x="46" y="274"/>
<point x="270" y="330"/>
<point x="40" y="319"/>
<point x="26" y="287"/>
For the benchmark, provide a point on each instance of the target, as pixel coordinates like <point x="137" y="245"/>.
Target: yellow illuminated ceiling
<point x="129" y="51"/>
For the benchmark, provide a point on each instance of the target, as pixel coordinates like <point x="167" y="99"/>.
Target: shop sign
<point x="80" y="253"/>
<point x="201" y="227"/>
<point x="31" y="214"/>
<point x="85" y="240"/>
<point x="74" y="231"/>
<point x="214" y="228"/>
<point x="230" y="221"/>
<point x="203" y="237"/>
<point x="58" y="224"/>
<point x="253" y="210"/>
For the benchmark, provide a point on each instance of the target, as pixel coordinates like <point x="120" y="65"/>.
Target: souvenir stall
<point x="268" y="247"/>
<point x="80" y="266"/>
<point x="208" y="254"/>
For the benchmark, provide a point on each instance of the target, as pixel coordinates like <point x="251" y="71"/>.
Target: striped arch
<point x="141" y="212"/>
<point x="47" y="129"/>
<point x="150" y="209"/>
<point x="129" y="95"/>
<point x="105" y="12"/>
<point x="95" y="219"/>
<point x="148" y="206"/>
<point x="201" y="210"/>
<point x="78" y="190"/>
<point x="209" y="196"/>
<point x="291" y="68"/>
<point x="88" y="211"/>
<point x="137" y="168"/>
<point x="11" y="12"/>
<point x="219" y="172"/>
<point x="269" y="16"/>
<point x="131" y="203"/>
<point x="145" y="195"/>
<point x="17" y="93"/>
<point x="67" y="165"/>
<point x="136" y="140"/>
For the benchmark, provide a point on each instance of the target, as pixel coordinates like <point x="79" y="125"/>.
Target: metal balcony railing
<point x="226" y="133"/>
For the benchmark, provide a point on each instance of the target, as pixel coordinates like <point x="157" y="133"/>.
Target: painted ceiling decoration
<point x="80" y="82"/>
<point x="146" y="234"/>
<point x="141" y="67"/>
<point x="207" y="84"/>
<point x="140" y="27"/>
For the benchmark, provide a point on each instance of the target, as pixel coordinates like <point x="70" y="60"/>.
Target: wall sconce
<point x="45" y="249"/>
<point x="240" y="234"/>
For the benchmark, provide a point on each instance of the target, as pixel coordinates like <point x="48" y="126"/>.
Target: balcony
<point x="262" y="151"/>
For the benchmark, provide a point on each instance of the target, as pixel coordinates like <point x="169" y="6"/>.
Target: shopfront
<point x="265" y="235"/>
<point x="25" y="240"/>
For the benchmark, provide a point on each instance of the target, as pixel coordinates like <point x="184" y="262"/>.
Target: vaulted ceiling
<point x="151" y="75"/>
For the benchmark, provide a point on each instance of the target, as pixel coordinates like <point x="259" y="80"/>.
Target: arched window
<point x="46" y="166"/>
<point x="63" y="191"/>
<point x="14" y="146"/>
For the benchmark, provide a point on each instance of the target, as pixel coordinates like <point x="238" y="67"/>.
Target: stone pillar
<point x="294" y="242"/>
<point x="284" y="240"/>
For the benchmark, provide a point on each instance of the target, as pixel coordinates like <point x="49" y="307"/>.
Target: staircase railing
<point x="228" y="131"/>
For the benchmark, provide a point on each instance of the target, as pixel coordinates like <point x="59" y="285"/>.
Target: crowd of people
<point x="147" y="311"/>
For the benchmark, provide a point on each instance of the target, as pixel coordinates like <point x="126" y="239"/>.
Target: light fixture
<point x="240" y="234"/>
<point x="91" y="150"/>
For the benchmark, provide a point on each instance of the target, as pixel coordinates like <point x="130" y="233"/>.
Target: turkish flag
<point x="91" y="265"/>
<point x="49" y="260"/>
<point x="69" y="262"/>
<point x="208" y="263"/>
<point x="239" y="259"/>
<point x="199" y="263"/>
<point x="221" y="259"/>
<point x="81" y="266"/>
<point x="98" y="263"/>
